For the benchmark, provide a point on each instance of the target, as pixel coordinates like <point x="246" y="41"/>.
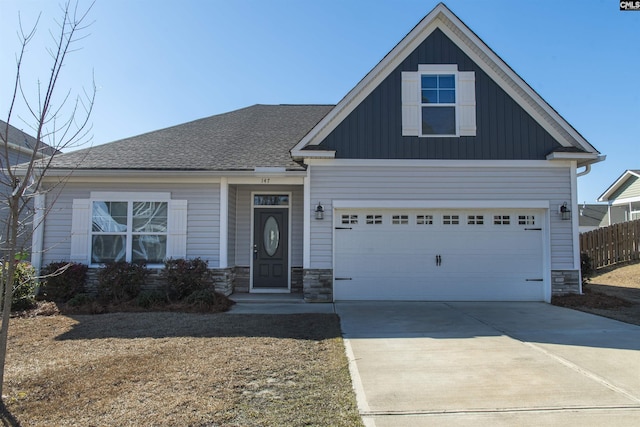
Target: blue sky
<point x="158" y="63"/>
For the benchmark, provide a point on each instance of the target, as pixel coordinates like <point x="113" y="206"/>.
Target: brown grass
<point x="170" y="369"/>
<point x="613" y="292"/>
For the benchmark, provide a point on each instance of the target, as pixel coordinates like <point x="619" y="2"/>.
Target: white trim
<point x="37" y="238"/>
<point x="441" y="17"/>
<point x="169" y="176"/>
<point x="269" y="169"/>
<point x="224" y="224"/>
<point x="289" y="212"/>
<point x="440" y="204"/>
<point x="546" y="257"/>
<point x="306" y="221"/>
<point x="575" y="226"/>
<point x="129" y="196"/>
<point x="626" y="201"/>
<point x="264" y="179"/>
<point x="604" y="197"/>
<point x="563" y="155"/>
<point x="438" y="163"/>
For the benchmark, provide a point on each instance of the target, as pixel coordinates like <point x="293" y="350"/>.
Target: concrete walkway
<point x="490" y="364"/>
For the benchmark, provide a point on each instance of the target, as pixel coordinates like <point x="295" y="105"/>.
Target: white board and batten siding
<point x="203" y="219"/>
<point x="485" y="190"/>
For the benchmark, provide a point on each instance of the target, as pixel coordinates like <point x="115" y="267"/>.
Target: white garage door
<point x="456" y="255"/>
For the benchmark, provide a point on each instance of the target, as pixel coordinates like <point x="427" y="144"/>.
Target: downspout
<point x="587" y="169"/>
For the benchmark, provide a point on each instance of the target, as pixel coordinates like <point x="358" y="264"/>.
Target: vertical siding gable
<point x="505" y="131"/>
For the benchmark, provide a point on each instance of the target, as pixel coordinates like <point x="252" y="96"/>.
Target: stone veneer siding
<point x="220" y="278"/>
<point x="565" y="282"/>
<point x="318" y="285"/>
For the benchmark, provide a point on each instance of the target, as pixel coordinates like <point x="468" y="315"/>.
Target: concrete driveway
<point x="490" y="364"/>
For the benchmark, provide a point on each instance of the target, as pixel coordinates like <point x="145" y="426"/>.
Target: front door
<point x="270" y="248"/>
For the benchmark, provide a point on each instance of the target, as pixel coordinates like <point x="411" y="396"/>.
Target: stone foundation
<point x="220" y="278"/>
<point x="318" y="285"/>
<point x="565" y="282"/>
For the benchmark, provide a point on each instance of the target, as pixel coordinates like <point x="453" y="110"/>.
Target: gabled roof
<point x="442" y="18"/>
<point x="23" y="143"/>
<point x="245" y="139"/>
<point x="629" y="173"/>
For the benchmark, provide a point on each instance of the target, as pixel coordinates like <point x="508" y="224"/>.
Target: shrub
<point x="185" y="276"/>
<point x="586" y="267"/>
<point x="148" y="299"/>
<point x="63" y="280"/>
<point x="24" y="286"/>
<point x="208" y="300"/>
<point x="80" y="300"/>
<point x="121" y="281"/>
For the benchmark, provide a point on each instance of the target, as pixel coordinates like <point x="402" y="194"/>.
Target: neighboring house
<point x="592" y="216"/>
<point x="441" y="176"/>
<point x="623" y="198"/>
<point x="19" y="149"/>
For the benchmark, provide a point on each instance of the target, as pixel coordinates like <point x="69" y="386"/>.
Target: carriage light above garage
<point x="319" y="211"/>
<point x="564" y="211"/>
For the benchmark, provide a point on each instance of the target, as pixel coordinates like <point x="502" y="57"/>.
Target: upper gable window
<point x="438" y="104"/>
<point x="438" y="100"/>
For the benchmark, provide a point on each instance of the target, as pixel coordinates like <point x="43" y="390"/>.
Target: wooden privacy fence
<point x="613" y="244"/>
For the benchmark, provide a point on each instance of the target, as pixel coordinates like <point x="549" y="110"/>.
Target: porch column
<point x="224" y="222"/>
<point x="306" y="222"/>
<point x="37" y="238"/>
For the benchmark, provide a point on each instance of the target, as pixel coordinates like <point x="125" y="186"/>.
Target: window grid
<point x="451" y="219"/>
<point x="501" y="220"/>
<point x="526" y="220"/>
<point x="475" y="219"/>
<point x="374" y="219"/>
<point x="400" y="219"/>
<point x="349" y="219"/>
<point x="424" y="220"/>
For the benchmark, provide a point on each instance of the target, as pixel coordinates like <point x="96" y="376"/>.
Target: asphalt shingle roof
<point x="23" y="139"/>
<point x="256" y="136"/>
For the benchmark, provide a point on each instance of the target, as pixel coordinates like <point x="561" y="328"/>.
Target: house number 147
<point x="264" y="180"/>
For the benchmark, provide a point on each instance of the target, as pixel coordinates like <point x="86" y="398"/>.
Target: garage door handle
<point x="343" y="278"/>
<point x="438" y="260"/>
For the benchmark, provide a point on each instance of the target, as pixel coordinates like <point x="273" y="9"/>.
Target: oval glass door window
<point x="271" y="236"/>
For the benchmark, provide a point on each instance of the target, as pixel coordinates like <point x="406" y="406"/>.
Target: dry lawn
<point x="613" y="292"/>
<point x="179" y="369"/>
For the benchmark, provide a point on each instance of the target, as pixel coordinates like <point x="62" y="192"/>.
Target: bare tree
<point x="58" y="120"/>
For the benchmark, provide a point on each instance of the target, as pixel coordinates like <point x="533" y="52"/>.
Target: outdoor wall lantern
<point x="319" y="211"/>
<point x="565" y="213"/>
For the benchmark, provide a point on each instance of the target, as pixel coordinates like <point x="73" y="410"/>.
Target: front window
<point x="438" y="103"/>
<point x="129" y="231"/>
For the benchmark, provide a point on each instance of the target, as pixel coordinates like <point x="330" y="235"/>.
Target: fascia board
<point x="604" y="197"/>
<point x="433" y="163"/>
<point x="441" y="17"/>
<point x="163" y="176"/>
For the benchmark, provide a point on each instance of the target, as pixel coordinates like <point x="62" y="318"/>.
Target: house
<point x="623" y="198"/>
<point x="19" y="147"/>
<point x="440" y="176"/>
<point x="592" y="216"/>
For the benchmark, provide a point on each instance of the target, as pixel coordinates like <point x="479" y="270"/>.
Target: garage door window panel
<point x="374" y="219"/>
<point x="450" y="219"/>
<point x="501" y="220"/>
<point x="424" y="219"/>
